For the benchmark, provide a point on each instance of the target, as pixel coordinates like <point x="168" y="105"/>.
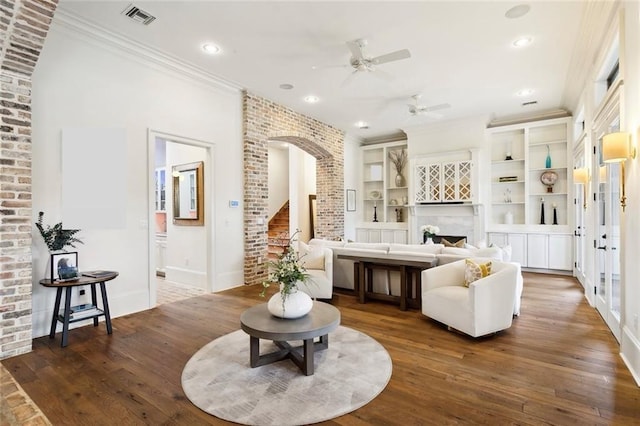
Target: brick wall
<point x="263" y="121"/>
<point x="23" y="27"/>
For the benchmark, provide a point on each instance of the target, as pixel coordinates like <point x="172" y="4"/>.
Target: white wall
<point x="352" y="180"/>
<point x="302" y="183"/>
<point x="444" y="136"/>
<point x="186" y="252"/>
<point x="278" y="178"/>
<point x="630" y="345"/>
<point x="630" y="219"/>
<point x="82" y="82"/>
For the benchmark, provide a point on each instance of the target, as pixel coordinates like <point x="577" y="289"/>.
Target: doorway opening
<point x="292" y="189"/>
<point x="179" y="235"/>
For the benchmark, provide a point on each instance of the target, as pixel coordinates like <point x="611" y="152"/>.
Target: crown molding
<point x="139" y="51"/>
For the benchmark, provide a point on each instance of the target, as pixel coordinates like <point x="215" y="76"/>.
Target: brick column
<point x="263" y="121"/>
<point x="23" y="28"/>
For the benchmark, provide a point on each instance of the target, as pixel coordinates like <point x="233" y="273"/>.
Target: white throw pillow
<point x="490" y="252"/>
<point x="506" y="251"/>
<point x="311" y="257"/>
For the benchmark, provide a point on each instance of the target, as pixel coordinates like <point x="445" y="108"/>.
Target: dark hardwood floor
<point x="558" y="364"/>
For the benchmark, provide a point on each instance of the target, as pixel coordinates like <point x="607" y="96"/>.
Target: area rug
<point x="350" y="373"/>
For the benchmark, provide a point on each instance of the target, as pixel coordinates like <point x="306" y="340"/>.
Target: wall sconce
<point x="616" y="148"/>
<point x="581" y="177"/>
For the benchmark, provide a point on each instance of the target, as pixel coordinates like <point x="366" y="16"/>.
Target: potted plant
<point x="428" y="232"/>
<point x="399" y="160"/>
<point x="289" y="273"/>
<point x="57" y="239"/>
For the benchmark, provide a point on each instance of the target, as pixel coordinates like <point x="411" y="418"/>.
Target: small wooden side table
<point x="92" y="312"/>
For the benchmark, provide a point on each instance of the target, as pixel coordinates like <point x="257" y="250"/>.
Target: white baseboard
<point x="186" y="276"/>
<point x="228" y="280"/>
<point x="630" y="353"/>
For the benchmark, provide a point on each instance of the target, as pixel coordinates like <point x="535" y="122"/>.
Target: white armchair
<point x="485" y="307"/>
<point x="318" y="261"/>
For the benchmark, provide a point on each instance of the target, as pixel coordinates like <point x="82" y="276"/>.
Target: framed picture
<point x="64" y="266"/>
<point x="351" y="200"/>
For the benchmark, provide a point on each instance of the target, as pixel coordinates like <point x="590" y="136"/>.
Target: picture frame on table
<point x="64" y="266"/>
<point x="351" y="200"/>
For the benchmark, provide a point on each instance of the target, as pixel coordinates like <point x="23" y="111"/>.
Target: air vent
<point x="138" y="15"/>
<point x="529" y="103"/>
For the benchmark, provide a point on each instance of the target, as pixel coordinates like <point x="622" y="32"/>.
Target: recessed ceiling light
<point x="286" y="86"/>
<point x="211" y="48"/>
<point x="522" y="42"/>
<point x="311" y="99"/>
<point x="362" y="125"/>
<point x="525" y="92"/>
<point x="517" y="11"/>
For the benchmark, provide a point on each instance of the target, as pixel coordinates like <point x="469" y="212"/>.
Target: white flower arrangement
<point x="429" y="230"/>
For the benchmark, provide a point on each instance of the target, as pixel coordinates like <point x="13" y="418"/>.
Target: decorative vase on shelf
<point x="508" y="218"/>
<point x="296" y="304"/>
<point x="427" y="239"/>
<point x="400" y="181"/>
<point x="548" y="160"/>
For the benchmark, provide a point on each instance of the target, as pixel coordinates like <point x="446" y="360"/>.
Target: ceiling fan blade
<point x="436" y="107"/>
<point x="348" y="80"/>
<point x="382" y="75"/>
<point x="393" y="56"/>
<point x="355" y="47"/>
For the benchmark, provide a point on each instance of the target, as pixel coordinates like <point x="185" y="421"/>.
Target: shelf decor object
<point x="399" y="160"/>
<point x="508" y="156"/>
<point x="548" y="160"/>
<point x="549" y="179"/>
<point x="542" y="211"/>
<point x="555" y="214"/>
<point x="616" y="148"/>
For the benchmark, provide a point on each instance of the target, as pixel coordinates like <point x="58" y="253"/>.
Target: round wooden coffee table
<point x="258" y="323"/>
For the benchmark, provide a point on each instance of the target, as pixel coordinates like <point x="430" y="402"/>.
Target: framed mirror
<point x="188" y="194"/>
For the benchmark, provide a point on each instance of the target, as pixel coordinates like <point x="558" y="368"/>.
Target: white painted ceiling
<point x="461" y="53"/>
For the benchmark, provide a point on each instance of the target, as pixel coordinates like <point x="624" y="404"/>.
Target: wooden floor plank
<point x="558" y="364"/>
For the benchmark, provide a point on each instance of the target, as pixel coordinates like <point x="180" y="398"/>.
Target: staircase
<point x="278" y="232"/>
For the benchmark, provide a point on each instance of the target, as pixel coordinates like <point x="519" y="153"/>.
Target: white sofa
<point x="389" y="282"/>
<point x="486" y="306"/>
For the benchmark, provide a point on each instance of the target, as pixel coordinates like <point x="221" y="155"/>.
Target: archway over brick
<point x="263" y="121"/>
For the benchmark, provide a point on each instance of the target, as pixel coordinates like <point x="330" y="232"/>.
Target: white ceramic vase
<point x="297" y="304"/>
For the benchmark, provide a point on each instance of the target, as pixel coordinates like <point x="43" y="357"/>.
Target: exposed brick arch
<point x="263" y="121"/>
<point x="23" y="29"/>
<point x="305" y="143"/>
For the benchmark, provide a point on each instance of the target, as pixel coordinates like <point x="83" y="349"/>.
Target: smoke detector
<point x="138" y="15"/>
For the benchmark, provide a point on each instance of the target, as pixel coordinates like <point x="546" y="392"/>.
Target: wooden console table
<point x="363" y="277"/>
<point x="91" y="312"/>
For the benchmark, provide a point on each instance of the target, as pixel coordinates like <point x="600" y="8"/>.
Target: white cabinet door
<point x="560" y="249"/>
<point x="518" y="243"/>
<point x="498" y="239"/>
<point x="537" y="251"/>
<point x="362" y="235"/>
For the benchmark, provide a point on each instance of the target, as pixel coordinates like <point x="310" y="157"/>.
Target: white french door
<point x="607" y="235"/>
<point x="580" y="234"/>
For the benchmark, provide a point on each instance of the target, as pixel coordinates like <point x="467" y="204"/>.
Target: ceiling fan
<point x="360" y="62"/>
<point x="424" y="110"/>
